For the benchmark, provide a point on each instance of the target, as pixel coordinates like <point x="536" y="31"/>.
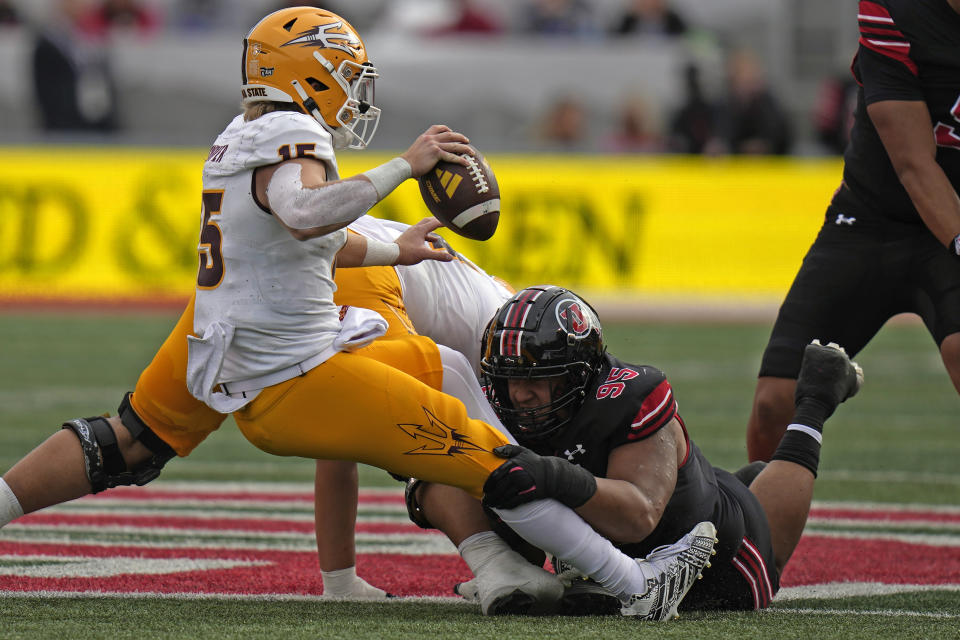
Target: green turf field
<point x="897" y="442"/>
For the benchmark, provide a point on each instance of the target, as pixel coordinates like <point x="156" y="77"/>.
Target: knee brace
<point x="104" y="463"/>
<point x="417" y="516"/>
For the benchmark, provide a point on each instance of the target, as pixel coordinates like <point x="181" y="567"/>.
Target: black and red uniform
<point x="873" y="257"/>
<point x="627" y="403"/>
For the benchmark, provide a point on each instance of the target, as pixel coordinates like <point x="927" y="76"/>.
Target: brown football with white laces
<point x="466" y="199"/>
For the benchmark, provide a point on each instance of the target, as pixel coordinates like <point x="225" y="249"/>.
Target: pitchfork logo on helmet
<point x="326" y="36"/>
<point x="316" y="60"/>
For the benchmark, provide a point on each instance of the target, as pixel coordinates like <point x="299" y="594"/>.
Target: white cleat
<point x="678" y="566"/>
<point x="513" y="586"/>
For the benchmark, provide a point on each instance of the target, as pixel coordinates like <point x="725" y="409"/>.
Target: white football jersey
<point x="449" y="302"/>
<point x="276" y="291"/>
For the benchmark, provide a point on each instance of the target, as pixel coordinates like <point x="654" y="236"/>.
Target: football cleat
<point x="678" y="566"/>
<point x="513" y="586"/>
<point x="827" y="375"/>
<point x="585" y="597"/>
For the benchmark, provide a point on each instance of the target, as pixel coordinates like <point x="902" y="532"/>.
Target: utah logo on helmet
<point x="316" y="60"/>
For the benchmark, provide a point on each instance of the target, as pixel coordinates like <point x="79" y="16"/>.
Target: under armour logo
<point x="570" y="454"/>
<point x="842" y="219"/>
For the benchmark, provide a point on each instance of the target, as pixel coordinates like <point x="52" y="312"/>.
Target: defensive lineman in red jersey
<point x="890" y="241"/>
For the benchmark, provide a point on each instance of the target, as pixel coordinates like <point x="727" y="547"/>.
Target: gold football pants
<point x="354" y="407"/>
<point x="161" y="398"/>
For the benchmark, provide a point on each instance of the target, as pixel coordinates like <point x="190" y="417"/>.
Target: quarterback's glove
<point x="526" y="477"/>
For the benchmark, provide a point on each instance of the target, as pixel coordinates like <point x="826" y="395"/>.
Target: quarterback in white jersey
<point x="273" y="291"/>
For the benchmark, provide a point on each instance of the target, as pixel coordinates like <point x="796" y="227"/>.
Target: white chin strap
<point x="342" y="137"/>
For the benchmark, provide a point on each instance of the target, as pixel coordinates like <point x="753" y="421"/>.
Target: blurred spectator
<point x="200" y="15"/>
<point x="9" y="16"/>
<point x="560" y="17"/>
<point x="361" y="14"/>
<point x="564" y="125"/>
<point x="753" y="120"/>
<point x="470" y="17"/>
<point x="693" y="127"/>
<point x="125" y="15"/>
<point x="650" y="17"/>
<point x="71" y="75"/>
<point x="637" y="130"/>
<point x="833" y="112"/>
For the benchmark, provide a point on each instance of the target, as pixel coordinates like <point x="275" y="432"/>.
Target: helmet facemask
<point x="357" y="118"/>
<point x="532" y="424"/>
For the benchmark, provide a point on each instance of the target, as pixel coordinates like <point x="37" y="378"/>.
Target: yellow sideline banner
<point x="82" y="223"/>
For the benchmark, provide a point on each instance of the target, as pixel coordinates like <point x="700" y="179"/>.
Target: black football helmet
<point x="541" y="332"/>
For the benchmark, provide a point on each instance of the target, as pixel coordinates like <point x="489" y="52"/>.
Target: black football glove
<point x="526" y="477"/>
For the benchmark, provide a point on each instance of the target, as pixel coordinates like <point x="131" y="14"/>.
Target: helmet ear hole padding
<point x="316" y="84"/>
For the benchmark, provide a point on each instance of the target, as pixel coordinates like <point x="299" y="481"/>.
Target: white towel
<point x="204" y="362"/>
<point x="358" y="328"/>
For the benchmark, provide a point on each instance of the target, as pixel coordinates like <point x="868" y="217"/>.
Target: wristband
<point x="378" y="254"/>
<point x="388" y="176"/>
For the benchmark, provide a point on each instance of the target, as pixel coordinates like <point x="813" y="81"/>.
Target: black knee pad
<point x="101" y="454"/>
<point x="105" y="465"/>
<point x="417" y="516"/>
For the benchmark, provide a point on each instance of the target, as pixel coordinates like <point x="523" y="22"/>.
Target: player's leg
<point x="88" y="455"/>
<point x="950" y="352"/>
<point x="335" y="513"/>
<point x="335" y="516"/>
<point x="785" y="486"/>
<point x="335" y="485"/>
<point x="769" y="416"/>
<point x="56" y="470"/>
<point x="845" y="290"/>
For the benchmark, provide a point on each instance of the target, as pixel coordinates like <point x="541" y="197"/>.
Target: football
<point x="466" y="199"/>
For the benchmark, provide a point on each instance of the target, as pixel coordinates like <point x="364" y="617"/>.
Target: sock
<point x="480" y="548"/>
<point x="558" y="530"/>
<point x="812" y="413"/>
<point x="801" y="443"/>
<point x="10" y="508"/>
<point x="345" y="583"/>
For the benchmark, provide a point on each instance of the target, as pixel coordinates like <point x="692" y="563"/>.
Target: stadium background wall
<point x="94" y="224"/>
